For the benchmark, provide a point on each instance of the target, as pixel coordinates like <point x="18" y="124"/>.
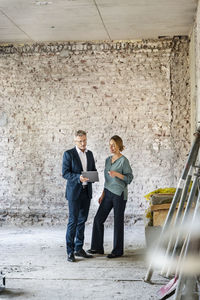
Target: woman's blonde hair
<point x="118" y="141"/>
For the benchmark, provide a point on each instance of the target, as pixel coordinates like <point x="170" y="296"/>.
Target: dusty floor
<point x="34" y="261"/>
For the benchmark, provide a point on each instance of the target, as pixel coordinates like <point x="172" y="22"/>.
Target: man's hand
<point x="83" y="179"/>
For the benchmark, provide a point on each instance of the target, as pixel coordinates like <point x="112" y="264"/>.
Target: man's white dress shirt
<point x="83" y="159"/>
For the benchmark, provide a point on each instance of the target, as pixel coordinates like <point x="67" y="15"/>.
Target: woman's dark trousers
<point x="118" y="203"/>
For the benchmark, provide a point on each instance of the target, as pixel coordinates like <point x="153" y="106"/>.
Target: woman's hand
<point x="113" y="173"/>
<point x="101" y="198"/>
<point x="116" y="174"/>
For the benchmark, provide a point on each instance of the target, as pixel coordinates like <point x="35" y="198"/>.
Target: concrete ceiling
<point x="80" y="20"/>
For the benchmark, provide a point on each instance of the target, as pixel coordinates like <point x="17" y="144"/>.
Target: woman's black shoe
<point x="91" y="251"/>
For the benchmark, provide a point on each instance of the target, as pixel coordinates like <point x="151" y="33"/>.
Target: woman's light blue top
<point x="114" y="184"/>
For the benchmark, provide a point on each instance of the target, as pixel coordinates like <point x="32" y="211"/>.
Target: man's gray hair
<point x="80" y="133"/>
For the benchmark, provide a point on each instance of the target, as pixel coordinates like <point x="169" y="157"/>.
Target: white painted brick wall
<point x="48" y="91"/>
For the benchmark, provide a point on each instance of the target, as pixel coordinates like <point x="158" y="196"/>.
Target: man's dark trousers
<point x="78" y="213"/>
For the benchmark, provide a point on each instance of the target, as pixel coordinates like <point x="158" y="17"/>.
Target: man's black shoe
<point x="82" y="253"/>
<point x="71" y="257"/>
<point x="112" y="255"/>
<point x="91" y="251"/>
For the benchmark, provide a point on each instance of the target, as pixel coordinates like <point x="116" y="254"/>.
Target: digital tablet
<point x="92" y="175"/>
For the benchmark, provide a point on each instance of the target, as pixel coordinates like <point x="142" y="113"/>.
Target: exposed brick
<point x="138" y="90"/>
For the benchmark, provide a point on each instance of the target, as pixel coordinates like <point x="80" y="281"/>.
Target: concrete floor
<point x="34" y="261"/>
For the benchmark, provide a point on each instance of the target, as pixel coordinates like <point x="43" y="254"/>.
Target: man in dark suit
<point x="78" y="193"/>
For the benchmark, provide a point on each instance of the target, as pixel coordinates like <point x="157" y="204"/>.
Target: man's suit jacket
<point x="71" y="170"/>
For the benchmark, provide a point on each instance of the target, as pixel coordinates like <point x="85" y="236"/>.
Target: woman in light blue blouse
<point x="118" y="174"/>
